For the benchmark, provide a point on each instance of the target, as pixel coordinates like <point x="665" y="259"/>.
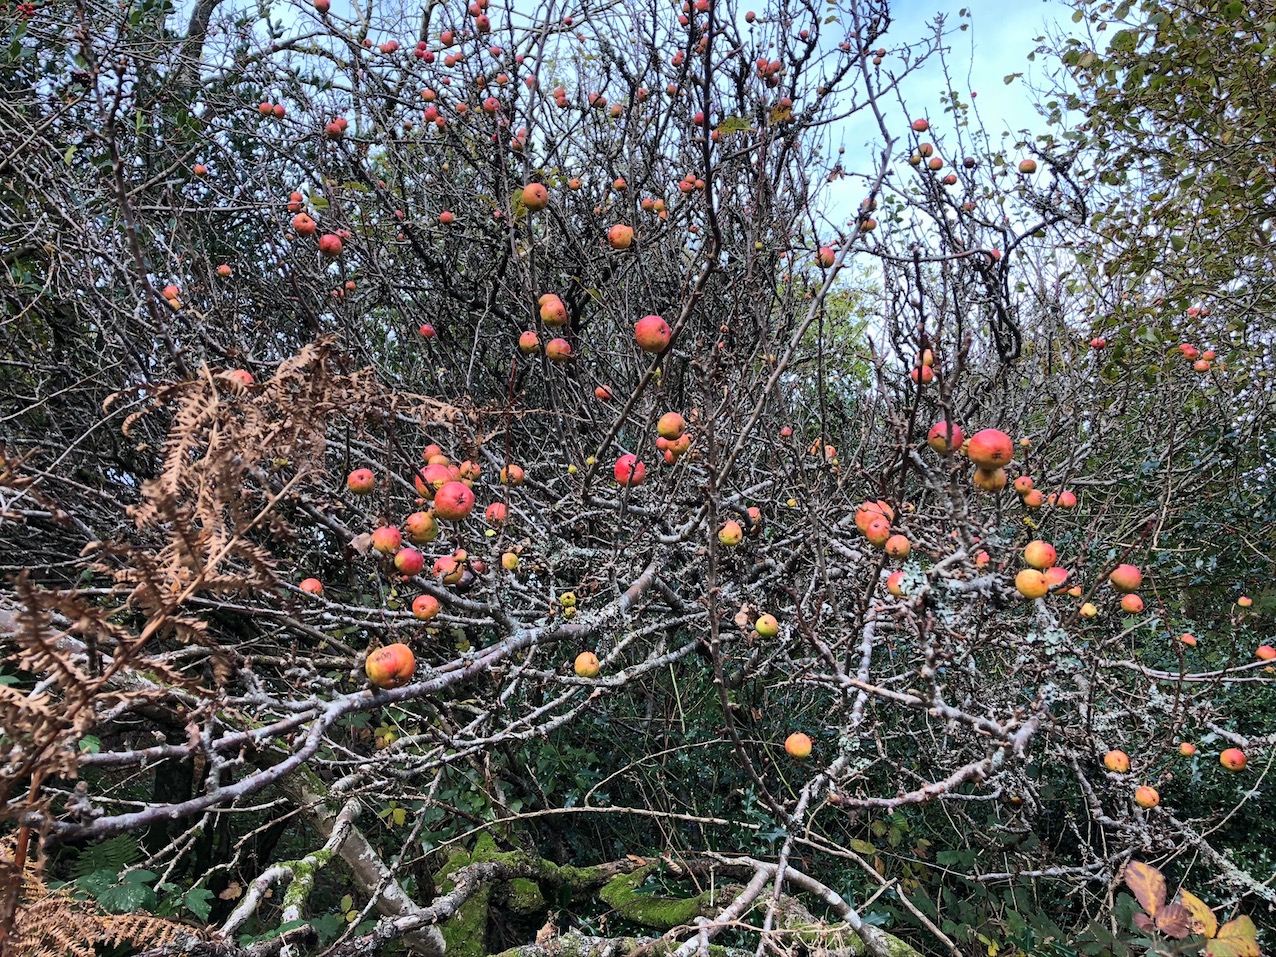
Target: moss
<point x="303" y="877"/>
<point x="622" y="894"/>
<point x="574" y="944"/>
<point x="523" y="896"/>
<point x="465" y="932"/>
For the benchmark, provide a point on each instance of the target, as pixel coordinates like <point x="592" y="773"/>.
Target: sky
<point x="997" y="42"/>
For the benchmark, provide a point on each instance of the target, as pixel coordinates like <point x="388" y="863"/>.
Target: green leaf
<point x="198" y="900"/>
<point x="862" y="847"/>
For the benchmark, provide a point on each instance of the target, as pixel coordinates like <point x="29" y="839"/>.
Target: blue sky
<point x="999" y="38"/>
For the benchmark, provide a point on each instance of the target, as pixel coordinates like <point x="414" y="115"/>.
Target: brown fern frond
<point x="54" y="923"/>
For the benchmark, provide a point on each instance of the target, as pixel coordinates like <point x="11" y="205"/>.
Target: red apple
<point x="535" y="196"/>
<point x="361" y="481"/>
<point x="943" y="436"/>
<point x="453" y="502"/>
<point x="330" y="245"/>
<point x="311" y="586"/>
<point x="990" y="448"/>
<point x="628" y="471"/>
<point x="391" y="666"/>
<point x="1125" y="578"/>
<point x="409" y="562"/>
<point x="425" y="607"/>
<point x="652" y="334"/>
<point x="620" y="236"/>
<point x="387" y="539"/>
<point x="558" y="350"/>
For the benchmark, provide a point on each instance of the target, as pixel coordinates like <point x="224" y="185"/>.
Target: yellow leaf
<point x="1236" y="938"/>
<point x="1148" y="885"/>
<point x="1203" y="920"/>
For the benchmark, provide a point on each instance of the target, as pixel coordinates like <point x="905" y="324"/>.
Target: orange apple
<point x="1132" y="603"/>
<point x="425" y="607"/>
<point x="798" y="745"/>
<point x="1146" y="797"/>
<point x="535" y="197"/>
<point x="1187" y="749"/>
<point x="989" y="480"/>
<point x="558" y="350"/>
<point x="897" y="546"/>
<point x="496" y="513"/>
<point x="586" y="665"/>
<point x="671" y="425"/>
<point x="1266" y="653"/>
<point x="731" y="534"/>
<point x="1233" y="759"/>
<point x="1031" y="583"/>
<point x="895" y="584"/>
<point x="1040" y="555"/>
<point x="1117" y="762"/>
<point x="1023" y="484"/>
<point x="311" y="586"/>
<point x="528" y="342"/>
<point x="552" y="310"/>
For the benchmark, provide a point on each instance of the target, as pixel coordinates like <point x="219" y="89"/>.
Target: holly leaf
<point x="1203" y="920"/>
<point x="1148" y="885"/>
<point x="1236" y="938"/>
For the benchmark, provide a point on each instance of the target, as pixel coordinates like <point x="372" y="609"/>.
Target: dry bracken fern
<point x="53" y="923"/>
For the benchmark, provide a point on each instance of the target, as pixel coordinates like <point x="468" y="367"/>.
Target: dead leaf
<point x="1203" y="920"/>
<point x="361" y="543"/>
<point x="1148" y="885"/>
<point x="233" y="889"/>
<point x="1174" y="920"/>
